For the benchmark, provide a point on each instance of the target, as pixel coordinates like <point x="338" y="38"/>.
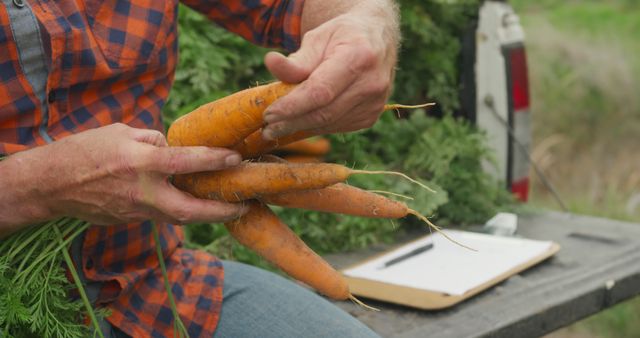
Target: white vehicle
<point x="495" y="93"/>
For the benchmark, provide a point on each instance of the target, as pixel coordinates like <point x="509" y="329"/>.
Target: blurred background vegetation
<point x="584" y="79"/>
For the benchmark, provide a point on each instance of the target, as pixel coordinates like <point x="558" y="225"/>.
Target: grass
<point x="585" y="75"/>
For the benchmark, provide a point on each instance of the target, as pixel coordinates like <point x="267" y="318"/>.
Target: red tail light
<point x="521" y="189"/>
<point x="519" y="119"/>
<point x="519" y="79"/>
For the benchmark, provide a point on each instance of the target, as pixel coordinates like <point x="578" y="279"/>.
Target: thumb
<point x="150" y="136"/>
<point x="286" y="69"/>
<point x="297" y="66"/>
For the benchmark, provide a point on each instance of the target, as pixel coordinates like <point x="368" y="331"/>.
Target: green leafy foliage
<point x="428" y="60"/>
<point x="34" y="289"/>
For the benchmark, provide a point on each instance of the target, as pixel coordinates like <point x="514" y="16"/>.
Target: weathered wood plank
<point x="597" y="267"/>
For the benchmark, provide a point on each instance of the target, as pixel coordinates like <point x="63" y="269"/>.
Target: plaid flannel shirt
<point x="113" y="61"/>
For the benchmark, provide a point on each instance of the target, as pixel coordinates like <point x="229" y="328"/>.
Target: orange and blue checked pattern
<point x="113" y="61"/>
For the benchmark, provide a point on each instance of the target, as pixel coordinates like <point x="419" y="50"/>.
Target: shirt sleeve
<point x="271" y="23"/>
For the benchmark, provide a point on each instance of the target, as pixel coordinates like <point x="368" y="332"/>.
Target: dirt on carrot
<point x="227" y="121"/>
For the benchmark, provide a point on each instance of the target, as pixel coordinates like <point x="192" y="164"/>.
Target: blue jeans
<point x="261" y="304"/>
<point x="257" y="303"/>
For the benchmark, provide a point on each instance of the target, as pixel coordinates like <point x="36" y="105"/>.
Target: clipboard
<point x="430" y="293"/>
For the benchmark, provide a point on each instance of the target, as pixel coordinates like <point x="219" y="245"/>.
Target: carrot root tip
<point x="402" y="106"/>
<point x="392" y="194"/>
<point x="359" y="302"/>
<point x="395" y="173"/>
<point x="437" y="229"/>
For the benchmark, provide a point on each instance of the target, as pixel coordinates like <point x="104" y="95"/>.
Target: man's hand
<point x="345" y="68"/>
<point x="114" y="174"/>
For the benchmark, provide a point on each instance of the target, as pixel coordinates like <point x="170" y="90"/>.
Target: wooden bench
<point x="598" y="266"/>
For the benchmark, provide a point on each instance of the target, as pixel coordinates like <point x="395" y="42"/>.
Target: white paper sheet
<point x="449" y="268"/>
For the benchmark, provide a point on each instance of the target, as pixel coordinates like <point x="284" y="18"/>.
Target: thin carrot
<point x="348" y="200"/>
<point x="262" y="231"/>
<point x="271" y="158"/>
<point x="341" y="199"/>
<point x="303" y="159"/>
<point x="227" y="121"/>
<point x="315" y="146"/>
<point x="255" y="144"/>
<point x="253" y="180"/>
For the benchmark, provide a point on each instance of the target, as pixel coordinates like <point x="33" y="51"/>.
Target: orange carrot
<point x="341" y="199"/>
<point x="255" y="144"/>
<point x="253" y="180"/>
<point x="262" y="231"/>
<point x="348" y="200"/>
<point x="316" y="146"/>
<point x="227" y="121"/>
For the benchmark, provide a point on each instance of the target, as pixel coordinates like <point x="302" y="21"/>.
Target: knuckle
<point x="119" y="126"/>
<point x="182" y="215"/>
<point x="156" y="135"/>
<point x="378" y="88"/>
<point x="321" y="94"/>
<point x="232" y="211"/>
<point x="366" y="56"/>
<point x="363" y="57"/>
<point x="124" y="164"/>
<point x="322" y="118"/>
<point x="173" y="163"/>
<point x="310" y="36"/>
<point x="135" y="196"/>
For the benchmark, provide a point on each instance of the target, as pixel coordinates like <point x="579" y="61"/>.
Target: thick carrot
<point x="255" y="144"/>
<point x="255" y="179"/>
<point x="252" y="180"/>
<point x="262" y="231"/>
<point x="227" y="121"/>
<point x="315" y="146"/>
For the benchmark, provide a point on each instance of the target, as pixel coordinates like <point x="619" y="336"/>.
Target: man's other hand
<point x="110" y="175"/>
<point x="345" y="68"/>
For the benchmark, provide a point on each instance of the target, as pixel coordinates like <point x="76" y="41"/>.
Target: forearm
<point x="384" y="12"/>
<point x="18" y="205"/>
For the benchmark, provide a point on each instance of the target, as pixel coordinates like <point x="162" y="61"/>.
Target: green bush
<point x="445" y="153"/>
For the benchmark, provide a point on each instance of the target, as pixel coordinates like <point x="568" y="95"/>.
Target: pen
<point x="408" y="255"/>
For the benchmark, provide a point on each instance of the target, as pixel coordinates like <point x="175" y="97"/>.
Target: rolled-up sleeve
<point x="272" y="23"/>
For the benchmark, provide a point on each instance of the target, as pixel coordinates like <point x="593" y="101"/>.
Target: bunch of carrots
<point x="267" y="180"/>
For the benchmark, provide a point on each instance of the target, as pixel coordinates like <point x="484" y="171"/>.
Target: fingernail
<point x="268" y="134"/>
<point x="244" y="209"/>
<point x="269" y="117"/>
<point x="232" y="160"/>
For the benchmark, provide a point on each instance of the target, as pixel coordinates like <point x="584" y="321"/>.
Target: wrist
<point x="379" y="13"/>
<point x="20" y="202"/>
